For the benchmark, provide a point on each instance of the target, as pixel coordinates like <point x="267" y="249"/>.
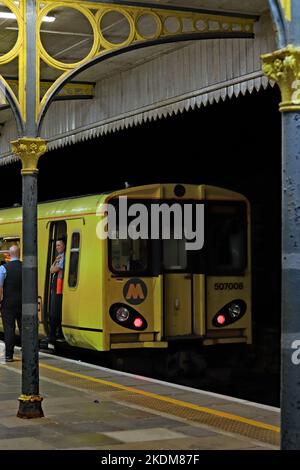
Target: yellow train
<point x="124" y="293"/>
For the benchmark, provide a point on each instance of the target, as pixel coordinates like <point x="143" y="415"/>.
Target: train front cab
<point x="158" y="292"/>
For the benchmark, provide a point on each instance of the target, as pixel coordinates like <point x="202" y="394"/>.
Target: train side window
<point x="74" y="260"/>
<point x="5" y="244"/>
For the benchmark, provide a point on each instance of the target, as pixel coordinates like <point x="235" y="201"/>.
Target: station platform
<point x="94" y="408"/>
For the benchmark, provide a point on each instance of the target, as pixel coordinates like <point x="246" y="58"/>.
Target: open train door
<point x="57" y="230"/>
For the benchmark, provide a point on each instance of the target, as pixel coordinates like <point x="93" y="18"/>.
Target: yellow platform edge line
<point x="221" y="414"/>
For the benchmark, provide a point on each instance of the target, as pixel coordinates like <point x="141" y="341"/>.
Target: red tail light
<point x="138" y="322"/>
<point x="221" y="319"/>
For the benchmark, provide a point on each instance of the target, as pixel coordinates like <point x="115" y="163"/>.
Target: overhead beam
<point x="178" y="8"/>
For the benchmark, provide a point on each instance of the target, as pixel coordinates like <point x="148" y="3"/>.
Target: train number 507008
<point x="228" y="285"/>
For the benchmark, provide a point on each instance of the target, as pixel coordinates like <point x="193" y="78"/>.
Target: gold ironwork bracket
<point x="166" y="24"/>
<point x="29" y="150"/>
<point x="283" y="67"/>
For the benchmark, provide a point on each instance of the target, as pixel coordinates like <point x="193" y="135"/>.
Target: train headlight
<point x="234" y="310"/>
<point x="122" y="314"/>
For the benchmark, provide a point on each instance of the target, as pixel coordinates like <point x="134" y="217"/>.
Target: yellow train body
<point x="174" y="305"/>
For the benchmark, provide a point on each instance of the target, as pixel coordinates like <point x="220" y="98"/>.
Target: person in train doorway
<point x="57" y="280"/>
<point x="11" y="300"/>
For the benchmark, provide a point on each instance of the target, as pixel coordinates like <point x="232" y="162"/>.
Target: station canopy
<point x="69" y="38"/>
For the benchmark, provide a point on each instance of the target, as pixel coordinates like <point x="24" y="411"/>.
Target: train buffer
<point x="94" y="408"/>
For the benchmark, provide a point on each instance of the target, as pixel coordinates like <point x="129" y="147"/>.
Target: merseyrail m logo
<point x="135" y="291"/>
<point x="286" y="5"/>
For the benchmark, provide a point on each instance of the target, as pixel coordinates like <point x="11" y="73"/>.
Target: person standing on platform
<point x="57" y="272"/>
<point x="11" y="300"/>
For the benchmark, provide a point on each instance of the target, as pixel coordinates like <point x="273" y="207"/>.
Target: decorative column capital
<point x="29" y="149"/>
<point x="283" y="67"/>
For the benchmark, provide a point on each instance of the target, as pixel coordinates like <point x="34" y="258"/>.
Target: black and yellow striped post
<point x="283" y="66"/>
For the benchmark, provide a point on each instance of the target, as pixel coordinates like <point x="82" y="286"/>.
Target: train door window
<point x="226" y="238"/>
<point x="5" y="244"/>
<point x="174" y="254"/>
<point x="74" y="260"/>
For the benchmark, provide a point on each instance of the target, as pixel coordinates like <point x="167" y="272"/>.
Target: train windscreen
<point x="226" y="238"/>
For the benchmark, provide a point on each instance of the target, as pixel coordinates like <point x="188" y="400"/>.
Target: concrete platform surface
<point x="93" y="408"/>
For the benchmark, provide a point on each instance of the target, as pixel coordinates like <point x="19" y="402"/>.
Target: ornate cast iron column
<point x="29" y="150"/>
<point x="283" y="66"/>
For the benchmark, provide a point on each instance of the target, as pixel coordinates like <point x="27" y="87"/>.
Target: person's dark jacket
<point x="12" y="288"/>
